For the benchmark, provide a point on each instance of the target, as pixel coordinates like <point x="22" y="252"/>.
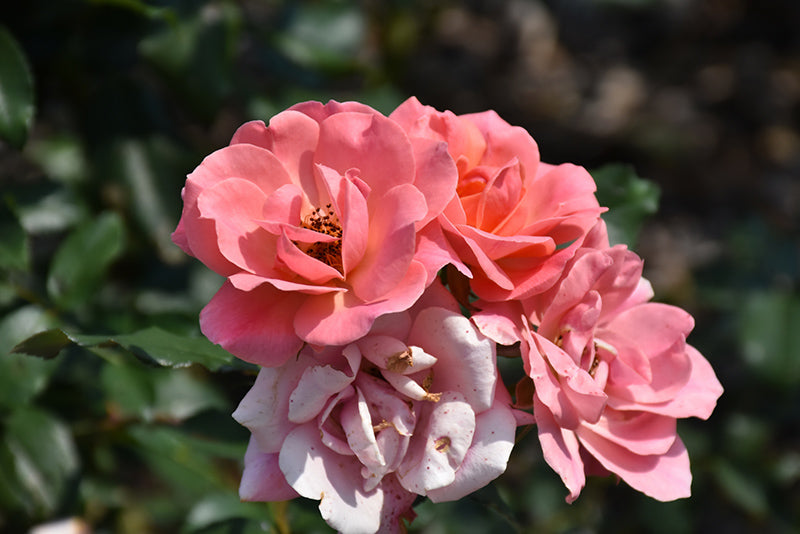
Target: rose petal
<point x="466" y="358"/>
<point x="291" y="137"/>
<point x="439" y="445"/>
<point x="436" y="176"/>
<point x="560" y="449"/>
<point x="262" y="479"/>
<point x="244" y="326"/>
<point x="639" y="432"/>
<point x="487" y="456"/>
<point x="382" y="267"/>
<point x="318" y="384"/>
<point x="316" y="472"/>
<point x="697" y="398"/>
<point x="264" y="410"/>
<point x="664" y="477"/>
<point x="294" y="260"/>
<point x="235" y="205"/>
<point x="372" y="143"/>
<point x="341" y="318"/>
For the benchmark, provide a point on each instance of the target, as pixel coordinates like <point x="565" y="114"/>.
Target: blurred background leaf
<point x="16" y="91"/>
<point x="81" y="261"/>
<point x="629" y="200"/>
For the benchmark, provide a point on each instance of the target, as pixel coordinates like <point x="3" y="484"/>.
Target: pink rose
<point x="319" y="224"/>
<point x="611" y="374"/>
<point x="515" y="221"/>
<point x="411" y="409"/>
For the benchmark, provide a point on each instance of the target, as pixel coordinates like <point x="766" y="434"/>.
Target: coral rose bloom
<point x="611" y="373"/>
<point x="368" y="427"/>
<point x="313" y="220"/>
<point x="515" y="220"/>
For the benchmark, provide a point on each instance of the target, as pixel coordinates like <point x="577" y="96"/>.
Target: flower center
<point x="325" y="222"/>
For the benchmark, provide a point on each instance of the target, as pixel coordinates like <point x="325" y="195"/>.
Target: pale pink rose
<point x="321" y="222"/>
<point x="515" y="220"/>
<point x="611" y="373"/>
<point x="368" y="427"/>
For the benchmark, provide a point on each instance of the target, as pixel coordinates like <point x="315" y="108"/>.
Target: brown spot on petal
<point x="593" y="367"/>
<point x="442" y="444"/>
<point x="427" y="382"/>
<point x="380" y="426"/>
<point x="397" y="363"/>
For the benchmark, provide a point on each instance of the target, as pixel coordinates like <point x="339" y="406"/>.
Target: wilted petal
<point x="358" y="430"/>
<point x="264" y="410"/>
<point x="439" y="445"/>
<point x="396" y="506"/>
<point x="487" y="456"/>
<point x="466" y="358"/>
<point x="318" y="384"/>
<point x="262" y="479"/>
<point x="316" y="472"/>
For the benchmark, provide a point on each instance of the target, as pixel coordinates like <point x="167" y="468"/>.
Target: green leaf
<point x="325" y="36"/>
<point x="196" y="56"/>
<point x="14" y="243"/>
<point x="47" y="344"/>
<point x="139" y="7"/>
<point x="16" y="92"/>
<point x="129" y="390"/>
<point x="145" y="168"/>
<point x="179" y="394"/>
<point x="219" y="507"/>
<point x="44" y="455"/>
<point x="172" y="395"/>
<point x="629" y="200"/>
<point x="180" y="460"/>
<point x="62" y="157"/>
<point x="152" y="345"/>
<point x="83" y="258"/>
<point x="22" y="378"/>
<point x="50" y="210"/>
<point x="12" y="493"/>
<point x="745" y="491"/>
<point x="22" y="323"/>
<point x="769" y="336"/>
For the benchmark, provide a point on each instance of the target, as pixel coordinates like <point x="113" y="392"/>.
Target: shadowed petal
<point x="262" y="479"/>
<point x="239" y="321"/>
<point x="316" y="472"/>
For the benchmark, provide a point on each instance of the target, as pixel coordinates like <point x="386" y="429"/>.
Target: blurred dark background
<point x="701" y="97"/>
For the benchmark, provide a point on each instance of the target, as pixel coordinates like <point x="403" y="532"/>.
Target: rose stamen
<point x="325" y="222"/>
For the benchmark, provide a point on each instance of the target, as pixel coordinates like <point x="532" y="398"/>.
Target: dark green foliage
<point x="113" y="407"/>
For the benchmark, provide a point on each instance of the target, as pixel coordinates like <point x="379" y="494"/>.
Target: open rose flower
<point x="411" y="409"/>
<point x="611" y="374"/>
<point x="515" y="221"/>
<point x="317" y="221"/>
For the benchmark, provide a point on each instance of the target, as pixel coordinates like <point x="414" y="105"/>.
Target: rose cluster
<point x="373" y="265"/>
